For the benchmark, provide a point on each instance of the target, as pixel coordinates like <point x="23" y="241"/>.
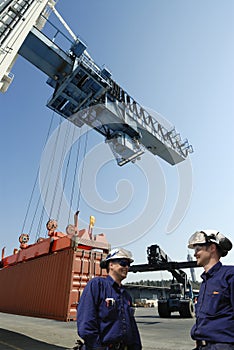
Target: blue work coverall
<point x="215" y="308"/>
<point x="105" y="316"/>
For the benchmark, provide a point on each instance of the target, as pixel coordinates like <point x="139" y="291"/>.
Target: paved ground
<point x="28" y="333"/>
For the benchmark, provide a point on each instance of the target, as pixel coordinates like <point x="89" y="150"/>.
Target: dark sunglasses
<point x="122" y="263"/>
<point x="198" y="247"/>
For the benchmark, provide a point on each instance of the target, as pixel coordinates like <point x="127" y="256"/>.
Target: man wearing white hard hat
<point x="214" y="327"/>
<point x="105" y="317"/>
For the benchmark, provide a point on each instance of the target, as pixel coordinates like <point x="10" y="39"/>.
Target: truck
<point x="180" y="297"/>
<point x="180" y="300"/>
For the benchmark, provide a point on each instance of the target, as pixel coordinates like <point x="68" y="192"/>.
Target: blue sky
<point x="174" y="57"/>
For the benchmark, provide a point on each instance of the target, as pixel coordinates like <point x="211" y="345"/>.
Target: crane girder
<point x="17" y="17"/>
<point x="84" y="93"/>
<point x="44" y="54"/>
<point x="90" y="96"/>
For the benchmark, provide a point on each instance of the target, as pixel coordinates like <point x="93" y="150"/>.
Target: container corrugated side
<point x="48" y="286"/>
<point x="86" y="265"/>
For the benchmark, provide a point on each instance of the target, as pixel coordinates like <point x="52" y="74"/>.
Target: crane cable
<point x="36" y="179"/>
<point x="49" y="171"/>
<point x="82" y="168"/>
<point x="47" y="179"/>
<point x="66" y="172"/>
<point x="60" y="169"/>
<point x="74" y="177"/>
<point x="75" y="173"/>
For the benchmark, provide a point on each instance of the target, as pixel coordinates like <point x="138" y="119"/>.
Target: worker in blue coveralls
<point x="214" y="327"/>
<point x="105" y="317"/>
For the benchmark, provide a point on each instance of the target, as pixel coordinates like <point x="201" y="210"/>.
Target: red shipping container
<point x="49" y="286"/>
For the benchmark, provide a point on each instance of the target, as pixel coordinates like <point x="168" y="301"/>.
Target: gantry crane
<point x="83" y="93"/>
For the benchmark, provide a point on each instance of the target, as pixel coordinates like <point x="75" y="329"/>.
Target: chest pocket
<point x="215" y="302"/>
<point x="108" y="312"/>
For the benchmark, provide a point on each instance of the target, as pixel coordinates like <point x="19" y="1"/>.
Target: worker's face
<point x="119" y="269"/>
<point x="203" y="254"/>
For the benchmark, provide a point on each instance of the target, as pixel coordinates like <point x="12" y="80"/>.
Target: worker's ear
<point x="110" y="265"/>
<point x="213" y="247"/>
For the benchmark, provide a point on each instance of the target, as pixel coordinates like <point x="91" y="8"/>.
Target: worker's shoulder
<point x="98" y="280"/>
<point x="228" y="269"/>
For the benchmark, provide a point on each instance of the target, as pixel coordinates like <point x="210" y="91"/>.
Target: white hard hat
<point x="211" y="236"/>
<point x="117" y="253"/>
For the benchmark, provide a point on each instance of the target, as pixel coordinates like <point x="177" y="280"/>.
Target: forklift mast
<point x="181" y="301"/>
<point x="158" y="260"/>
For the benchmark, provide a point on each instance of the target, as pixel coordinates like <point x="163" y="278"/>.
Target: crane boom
<point x="84" y="93"/>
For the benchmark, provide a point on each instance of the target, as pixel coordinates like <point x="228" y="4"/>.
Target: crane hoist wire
<point x="66" y="137"/>
<point x="66" y="172"/>
<point x="49" y="178"/>
<point x="82" y="168"/>
<point x="46" y="179"/>
<point x="74" y="177"/>
<point x="37" y="176"/>
<point x="67" y="165"/>
<point x="79" y="159"/>
<point x="75" y="174"/>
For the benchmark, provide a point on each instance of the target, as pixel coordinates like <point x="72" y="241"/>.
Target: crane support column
<point x="17" y="17"/>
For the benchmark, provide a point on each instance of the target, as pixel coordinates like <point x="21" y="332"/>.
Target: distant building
<point x="139" y="292"/>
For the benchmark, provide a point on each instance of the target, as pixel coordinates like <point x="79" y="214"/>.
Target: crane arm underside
<point x="84" y="93"/>
<point x="90" y="96"/>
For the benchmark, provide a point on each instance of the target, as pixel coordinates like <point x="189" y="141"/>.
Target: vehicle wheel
<point x="187" y="309"/>
<point x="163" y="310"/>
